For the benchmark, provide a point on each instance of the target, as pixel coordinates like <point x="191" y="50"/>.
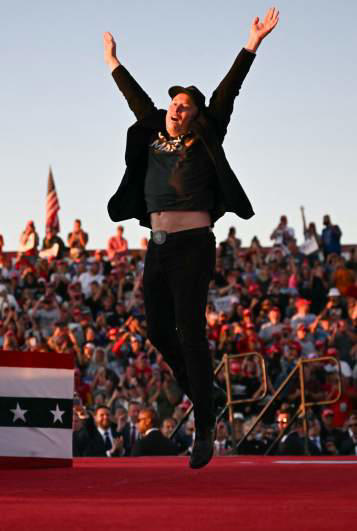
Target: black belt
<point x="160" y="236"/>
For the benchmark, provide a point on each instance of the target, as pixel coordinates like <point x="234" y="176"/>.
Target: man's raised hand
<point x="259" y="30"/>
<point x="110" y="56"/>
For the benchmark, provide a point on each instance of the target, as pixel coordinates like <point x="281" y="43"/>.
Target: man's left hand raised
<point x="259" y="30"/>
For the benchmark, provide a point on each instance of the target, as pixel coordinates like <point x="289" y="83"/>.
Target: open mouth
<point x="174" y="119"/>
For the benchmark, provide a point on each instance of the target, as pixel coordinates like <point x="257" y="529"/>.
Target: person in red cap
<point x="328" y="431"/>
<point x="178" y="183"/>
<point x="272" y="327"/>
<point x="302" y="315"/>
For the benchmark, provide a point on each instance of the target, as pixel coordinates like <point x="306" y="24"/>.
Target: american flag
<point x="52" y="204"/>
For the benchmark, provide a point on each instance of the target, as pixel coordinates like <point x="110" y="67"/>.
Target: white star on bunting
<point x="57" y="414"/>
<point x="19" y="413"/>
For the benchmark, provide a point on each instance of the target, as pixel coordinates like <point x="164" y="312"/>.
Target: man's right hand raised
<point x="110" y="56"/>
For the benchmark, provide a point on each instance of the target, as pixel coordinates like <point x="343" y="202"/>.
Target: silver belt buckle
<point x="159" y="236"/>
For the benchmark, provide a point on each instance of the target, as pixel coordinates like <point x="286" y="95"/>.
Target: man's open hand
<point x="110" y="55"/>
<point x="259" y="30"/>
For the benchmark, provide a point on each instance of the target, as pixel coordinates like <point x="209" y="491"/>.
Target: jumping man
<point x="178" y="183"/>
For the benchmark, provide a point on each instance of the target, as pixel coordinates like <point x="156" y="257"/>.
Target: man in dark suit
<point x="328" y="432"/>
<point x="294" y="443"/>
<point x="178" y="182"/>
<point x="349" y="445"/>
<point x="130" y="432"/>
<point x="152" y="441"/>
<point x="98" y="437"/>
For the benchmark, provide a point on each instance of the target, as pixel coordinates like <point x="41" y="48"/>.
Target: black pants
<point x="176" y="278"/>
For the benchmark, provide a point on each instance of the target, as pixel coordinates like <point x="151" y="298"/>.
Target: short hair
<point x="152" y="414"/>
<point x="120" y="408"/>
<point x="133" y="403"/>
<point x="100" y="406"/>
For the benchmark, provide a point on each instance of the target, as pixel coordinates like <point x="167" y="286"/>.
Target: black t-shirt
<point x="178" y="177"/>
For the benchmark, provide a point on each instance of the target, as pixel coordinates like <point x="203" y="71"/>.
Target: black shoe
<point x="219" y="399"/>
<point x="202" y="451"/>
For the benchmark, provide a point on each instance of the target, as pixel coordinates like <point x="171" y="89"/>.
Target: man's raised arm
<point x="138" y="101"/>
<point x="221" y="103"/>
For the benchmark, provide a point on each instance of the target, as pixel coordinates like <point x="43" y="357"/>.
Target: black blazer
<point x="126" y="434"/>
<point x="155" y="443"/>
<point x="89" y="442"/>
<point x="293" y="444"/>
<point x="348" y="446"/>
<point x="210" y="126"/>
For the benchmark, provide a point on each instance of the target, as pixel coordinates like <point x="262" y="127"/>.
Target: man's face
<point x="274" y="316"/>
<point x="121" y="416"/>
<point x="180" y="114"/>
<point x="133" y="412"/>
<point x="303" y="309"/>
<point x="266" y="305"/>
<point x="144" y="422"/>
<point x="328" y="419"/>
<point x="189" y="427"/>
<point x="222" y="432"/>
<point x="94" y="268"/>
<point x="87" y="353"/>
<point x="77" y="226"/>
<point x="282" y="420"/>
<point x="102" y="419"/>
<point x="326" y="220"/>
<point x="167" y="427"/>
<point x="334" y="301"/>
<point x="301" y="333"/>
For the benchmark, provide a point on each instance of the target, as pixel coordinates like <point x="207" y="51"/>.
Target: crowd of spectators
<point x="285" y="302"/>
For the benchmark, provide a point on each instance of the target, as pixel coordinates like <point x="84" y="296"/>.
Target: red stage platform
<point x="242" y="493"/>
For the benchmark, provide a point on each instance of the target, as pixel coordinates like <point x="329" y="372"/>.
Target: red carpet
<point x="164" y="494"/>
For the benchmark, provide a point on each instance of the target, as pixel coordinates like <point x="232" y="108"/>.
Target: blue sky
<point x="291" y="140"/>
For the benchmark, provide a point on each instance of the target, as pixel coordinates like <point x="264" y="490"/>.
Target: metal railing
<point x="225" y="364"/>
<point x="303" y="406"/>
